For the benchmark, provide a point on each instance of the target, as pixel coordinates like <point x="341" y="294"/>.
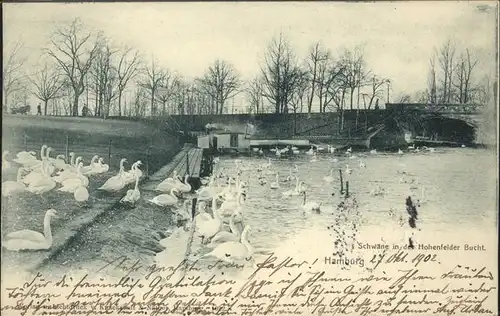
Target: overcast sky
<point x="398" y="38"/>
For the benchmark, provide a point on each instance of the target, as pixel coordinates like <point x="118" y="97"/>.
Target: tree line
<point x="83" y="65"/>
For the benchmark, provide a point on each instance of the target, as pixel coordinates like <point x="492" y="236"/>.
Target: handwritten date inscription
<point x="275" y="286"/>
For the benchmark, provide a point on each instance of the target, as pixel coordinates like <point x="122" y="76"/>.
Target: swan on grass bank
<point x="166" y="199"/>
<point x="10" y="188"/>
<point x="133" y="195"/>
<point x="31" y="240"/>
<point x="115" y="183"/>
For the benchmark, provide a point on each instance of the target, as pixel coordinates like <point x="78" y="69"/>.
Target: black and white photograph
<point x="250" y="158"/>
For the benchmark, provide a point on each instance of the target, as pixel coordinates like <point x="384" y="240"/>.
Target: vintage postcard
<point x="250" y="158"/>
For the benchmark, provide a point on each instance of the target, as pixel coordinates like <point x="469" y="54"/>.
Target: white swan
<point x="232" y="204"/>
<point x="115" y="183"/>
<point x="166" y="199"/>
<point x="314" y="157"/>
<point x="10" y="188"/>
<point x="310" y="151"/>
<point x="129" y="176"/>
<point x="81" y="194"/>
<point x="225" y="236"/>
<point x="362" y="164"/>
<point x="276" y="183"/>
<point x="133" y="195"/>
<point x="400" y="152"/>
<point x="293" y="192"/>
<point x="43" y="184"/>
<point x="5" y="163"/>
<point x="59" y="162"/>
<point x="289" y="177"/>
<point x="168" y="184"/>
<point x="208" y="228"/>
<point x="31" y="240"/>
<point x="92" y="168"/>
<point x="347" y="169"/>
<point x="373" y="152"/>
<point x="202" y="213"/>
<point x="69" y="172"/>
<point x="184" y="187"/>
<point x="348" y="151"/>
<point x="71" y="184"/>
<point x="329" y="178"/>
<point x="233" y="250"/>
<point x="28" y="159"/>
<point x="184" y="213"/>
<point x="310" y="206"/>
<point x="101" y="166"/>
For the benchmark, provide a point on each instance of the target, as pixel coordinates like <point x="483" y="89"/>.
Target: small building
<point x="225" y="140"/>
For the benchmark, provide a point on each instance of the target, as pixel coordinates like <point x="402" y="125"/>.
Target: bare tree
<point x="280" y="73"/>
<point x="74" y="51"/>
<point x="105" y="78"/>
<point x="317" y="60"/>
<point x="445" y="58"/>
<point x="354" y="71"/>
<point x="47" y="85"/>
<point x="377" y="90"/>
<point x="127" y="69"/>
<point x="12" y="75"/>
<point x="167" y="89"/>
<point x="151" y="81"/>
<point x="463" y="75"/>
<point x="431" y="80"/>
<point x="255" y="95"/>
<point x="220" y="82"/>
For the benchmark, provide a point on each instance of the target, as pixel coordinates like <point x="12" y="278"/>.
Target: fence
<point x="154" y="150"/>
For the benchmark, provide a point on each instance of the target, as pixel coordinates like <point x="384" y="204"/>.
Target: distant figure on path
<point x="39" y="109"/>
<point x="85" y="110"/>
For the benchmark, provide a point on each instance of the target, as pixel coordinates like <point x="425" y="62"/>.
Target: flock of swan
<point x="39" y="176"/>
<point x="222" y="230"/>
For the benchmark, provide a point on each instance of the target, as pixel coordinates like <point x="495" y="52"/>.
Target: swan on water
<point x="233" y="204"/>
<point x="10" y="188"/>
<point x="225" y="236"/>
<point x="347" y="169"/>
<point x="234" y="250"/>
<point x="276" y="183"/>
<point x="31" y="240"/>
<point x="133" y="195"/>
<point x="310" y="151"/>
<point x="202" y="213"/>
<point x="115" y="183"/>
<point x="314" y="157"/>
<point x="373" y="152"/>
<point x="362" y="164"/>
<point x="294" y="192"/>
<point x="208" y="228"/>
<point x="310" y="206"/>
<point x="166" y="199"/>
<point x="289" y="177"/>
<point x="329" y="178"/>
<point x="348" y="151"/>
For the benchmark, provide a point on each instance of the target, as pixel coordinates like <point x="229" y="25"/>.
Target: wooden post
<point x="187" y="163"/>
<point x="67" y="148"/>
<point x="109" y="152"/>
<point x="347" y="189"/>
<point x="25" y="142"/>
<point x="193" y="207"/>
<point x="147" y="161"/>
<point x="341" y="182"/>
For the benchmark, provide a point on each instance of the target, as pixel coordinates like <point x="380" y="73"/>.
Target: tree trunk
<point x="75" y="104"/>
<point x="352" y="96"/>
<point x="45" y="105"/>
<point x="119" y="103"/>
